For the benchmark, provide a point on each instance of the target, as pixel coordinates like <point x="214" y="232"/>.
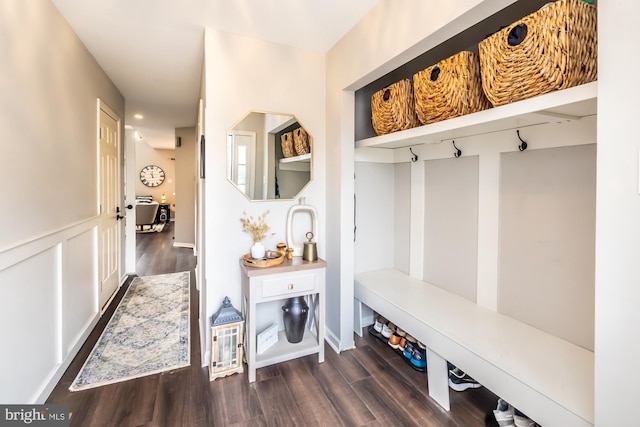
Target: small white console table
<point x="292" y="278"/>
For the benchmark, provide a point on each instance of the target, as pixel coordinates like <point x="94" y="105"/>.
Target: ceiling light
<point x="128" y="127"/>
<point x="138" y="136"/>
<point x="138" y="116"/>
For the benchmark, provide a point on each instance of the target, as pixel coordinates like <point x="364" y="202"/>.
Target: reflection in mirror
<point x="269" y="156"/>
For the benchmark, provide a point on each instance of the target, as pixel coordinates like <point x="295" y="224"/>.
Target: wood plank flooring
<point x="368" y="386"/>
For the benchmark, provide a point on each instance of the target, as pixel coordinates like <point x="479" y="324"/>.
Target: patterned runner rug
<point x="148" y="333"/>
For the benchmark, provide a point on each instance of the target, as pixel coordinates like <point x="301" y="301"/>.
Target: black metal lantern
<point x="226" y="341"/>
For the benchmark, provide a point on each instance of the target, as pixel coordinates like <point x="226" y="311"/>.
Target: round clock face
<point x="152" y="176"/>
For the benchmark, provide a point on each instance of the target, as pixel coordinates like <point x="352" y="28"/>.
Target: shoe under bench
<point x="548" y="378"/>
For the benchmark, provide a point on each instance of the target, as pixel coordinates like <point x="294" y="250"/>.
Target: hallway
<point x="161" y="397"/>
<point x="370" y="385"/>
<point x="155" y="254"/>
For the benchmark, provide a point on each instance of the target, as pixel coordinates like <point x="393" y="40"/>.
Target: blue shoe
<point x="408" y="347"/>
<point x="419" y="356"/>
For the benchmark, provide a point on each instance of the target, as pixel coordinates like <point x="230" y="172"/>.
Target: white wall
<point x="245" y="74"/>
<point x="48" y="120"/>
<point x="547" y="239"/>
<point x="374" y="183"/>
<point x="165" y="159"/>
<point x="450" y="215"/>
<point x="49" y="85"/>
<point x="617" y="345"/>
<point x="185" y="185"/>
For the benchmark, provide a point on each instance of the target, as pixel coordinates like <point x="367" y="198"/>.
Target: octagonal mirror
<point x="269" y="156"/>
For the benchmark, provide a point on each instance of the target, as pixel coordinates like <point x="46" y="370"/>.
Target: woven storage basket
<point x="553" y="48"/>
<point x="286" y="141"/>
<point x="392" y="108"/>
<point x="450" y="88"/>
<point x="301" y="141"/>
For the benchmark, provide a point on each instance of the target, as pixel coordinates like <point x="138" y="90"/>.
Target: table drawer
<point x="284" y="286"/>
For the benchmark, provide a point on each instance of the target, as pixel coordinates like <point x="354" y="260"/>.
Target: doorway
<point x="173" y="198"/>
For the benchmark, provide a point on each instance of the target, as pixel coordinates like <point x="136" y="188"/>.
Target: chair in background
<point x="146" y="214"/>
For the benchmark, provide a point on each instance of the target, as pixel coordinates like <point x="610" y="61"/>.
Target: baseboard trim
<point x="205" y="359"/>
<point x="332" y="339"/>
<point x="184" y="245"/>
<point x="73" y="352"/>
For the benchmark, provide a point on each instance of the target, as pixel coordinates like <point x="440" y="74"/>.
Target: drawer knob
<point x="290" y="286"/>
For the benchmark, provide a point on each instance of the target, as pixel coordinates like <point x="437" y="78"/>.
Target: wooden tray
<point x="270" y="259"/>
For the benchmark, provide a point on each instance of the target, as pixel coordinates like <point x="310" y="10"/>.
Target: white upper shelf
<point x="568" y="104"/>
<point x="300" y="163"/>
<point x="302" y="158"/>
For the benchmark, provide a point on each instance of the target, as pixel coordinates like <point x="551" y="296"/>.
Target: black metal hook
<point x="458" y="152"/>
<point x="522" y="146"/>
<point x="414" y="157"/>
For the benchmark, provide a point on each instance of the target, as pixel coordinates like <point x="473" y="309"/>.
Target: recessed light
<point x="128" y="127"/>
<point x="138" y="116"/>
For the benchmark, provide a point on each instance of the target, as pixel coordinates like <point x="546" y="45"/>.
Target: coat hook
<point x="522" y="146"/>
<point x="458" y="152"/>
<point x="414" y="158"/>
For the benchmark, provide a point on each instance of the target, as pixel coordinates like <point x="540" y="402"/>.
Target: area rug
<point x="148" y="333"/>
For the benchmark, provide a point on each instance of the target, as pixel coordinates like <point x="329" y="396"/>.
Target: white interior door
<point x="109" y="258"/>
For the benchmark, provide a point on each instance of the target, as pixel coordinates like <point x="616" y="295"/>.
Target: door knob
<point x="119" y="216"/>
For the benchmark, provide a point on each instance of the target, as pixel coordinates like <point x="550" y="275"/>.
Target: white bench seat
<point x="549" y="379"/>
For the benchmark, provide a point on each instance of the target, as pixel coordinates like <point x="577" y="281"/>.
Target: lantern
<point x="226" y="341"/>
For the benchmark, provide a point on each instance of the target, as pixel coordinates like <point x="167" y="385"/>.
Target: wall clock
<point x="152" y="175"/>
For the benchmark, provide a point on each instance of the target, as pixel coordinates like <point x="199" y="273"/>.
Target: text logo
<point x="34" y="415"/>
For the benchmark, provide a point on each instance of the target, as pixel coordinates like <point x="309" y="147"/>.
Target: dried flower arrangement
<point x="257" y="228"/>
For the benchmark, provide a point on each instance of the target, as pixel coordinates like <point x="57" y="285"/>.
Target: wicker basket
<point x="450" y="88"/>
<point x="286" y="140"/>
<point x="301" y="141"/>
<point x="553" y="48"/>
<point x="392" y="108"/>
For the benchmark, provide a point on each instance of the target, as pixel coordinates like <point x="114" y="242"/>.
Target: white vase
<point x="257" y="250"/>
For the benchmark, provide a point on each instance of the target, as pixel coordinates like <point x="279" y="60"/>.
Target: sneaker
<point x="379" y="322"/>
<point x="387" y="330"/>
<point x="504" y="414"/>
<point x="419" y="356"/>
<point x="521" y="420"/>
<point x="459" y="381"/>
<point x="408" y="347"/>
<point x="394" y="339"/>
<point x="377" y="326"/>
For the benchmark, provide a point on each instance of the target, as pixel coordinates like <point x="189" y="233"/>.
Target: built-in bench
<point x="549" y="379"/>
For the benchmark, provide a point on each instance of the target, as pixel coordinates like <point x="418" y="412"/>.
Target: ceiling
<point x="153" y="50"/>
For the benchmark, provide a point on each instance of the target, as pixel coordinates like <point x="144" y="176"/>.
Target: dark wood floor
<point x="368" y="386"/>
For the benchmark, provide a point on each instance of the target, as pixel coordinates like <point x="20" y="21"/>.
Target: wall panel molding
<point x="50" y="287"/>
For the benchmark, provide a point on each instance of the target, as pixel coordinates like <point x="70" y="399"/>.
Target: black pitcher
<point x="295" y="315"/>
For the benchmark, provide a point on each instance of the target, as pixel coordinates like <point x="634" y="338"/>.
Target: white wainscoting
<point x="49" y="294"/>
